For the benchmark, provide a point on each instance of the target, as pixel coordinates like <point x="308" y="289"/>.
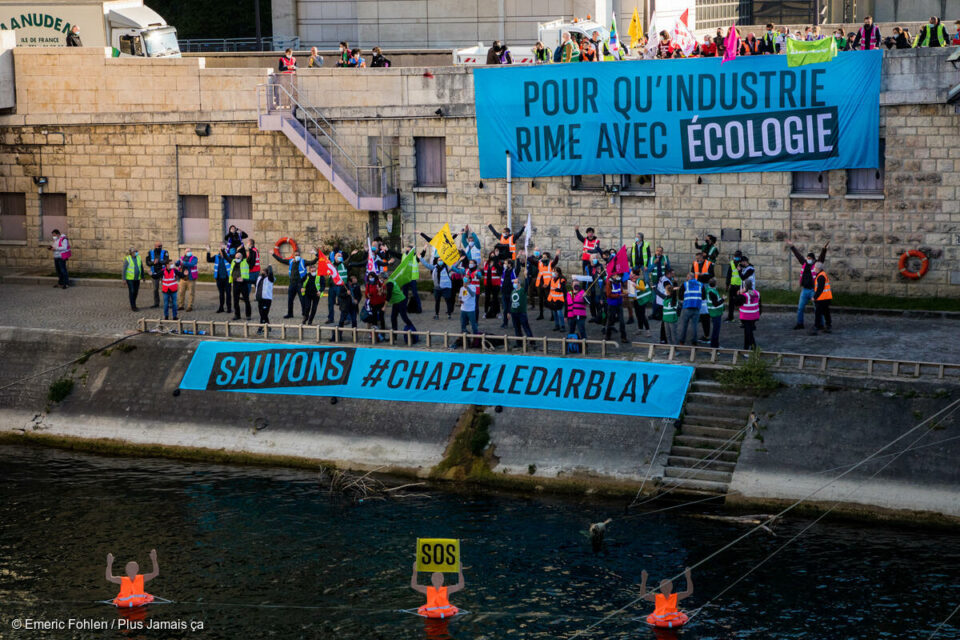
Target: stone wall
<point x="123" y="164"/>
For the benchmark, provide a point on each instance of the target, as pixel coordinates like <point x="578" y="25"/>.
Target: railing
<point x="365" y="180"/>
<point x="212" y="45"/>
<point x="643" y="351"/>
<point x="378" y="337"/>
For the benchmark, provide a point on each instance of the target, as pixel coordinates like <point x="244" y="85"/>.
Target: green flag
<point x="402" y="275"/>
<point x="800" y="52"/>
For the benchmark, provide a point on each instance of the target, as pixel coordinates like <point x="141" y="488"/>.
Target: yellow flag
<point x="445" y="246"/>
<point x="635" y="31"/>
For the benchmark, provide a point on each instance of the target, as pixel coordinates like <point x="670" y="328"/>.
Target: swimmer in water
<point x="438" y="605"/>
<point x="665" y="603"/>
<point x="132" y="593"/>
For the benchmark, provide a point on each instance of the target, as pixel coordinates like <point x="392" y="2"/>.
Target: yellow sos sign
<point x="438" y="554"/>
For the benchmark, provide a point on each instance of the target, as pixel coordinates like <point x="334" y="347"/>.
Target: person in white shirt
<point x="265" y="297"/>
<point x="60" y="246"/>
<point x="468" y="307"/>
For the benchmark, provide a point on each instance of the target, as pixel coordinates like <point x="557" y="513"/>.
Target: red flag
<point x="325" y="267"/>
<point x="621" y="262"/>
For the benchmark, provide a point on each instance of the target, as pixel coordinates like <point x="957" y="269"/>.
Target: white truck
<point x="549" y="33"/>
<point x="127" y="26"/>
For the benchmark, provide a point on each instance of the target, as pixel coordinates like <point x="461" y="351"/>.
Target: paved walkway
<point x="105" y="310"/>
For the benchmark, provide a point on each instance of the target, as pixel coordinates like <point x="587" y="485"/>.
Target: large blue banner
<point x="679" y="116"/>
<point x="580" y="384"/>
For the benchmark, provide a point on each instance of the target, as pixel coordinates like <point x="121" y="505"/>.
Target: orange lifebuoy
<point x="672" y="620"/>
<point x="924" y="264"/>
<point x="283" y="241"/>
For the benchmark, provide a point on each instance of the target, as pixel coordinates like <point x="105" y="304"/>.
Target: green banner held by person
<point x="800" y="52"/>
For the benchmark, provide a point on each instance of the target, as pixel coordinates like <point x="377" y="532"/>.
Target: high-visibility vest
<point x="130" y="266"/>
<point x="644" y="255"/>
<point x="157" y="258"/>
<point x="692" y="294"/>
<point x="244" y="269"/>
<point x="701" y="270"/>
<point x="588" y="246"/>
<point x="168" y="283"/>
<point x="544" y="274"/>
<point x="644" y="293"/>
<point x="491" y="277"/>
<point x="825" y="294"/>
<point x="414" y="267"/>
<point x="342" y="272"/>
<point x="256" y="263"/>
<point x="219" y="262"/>
<point x="750" y="310"/>
<point x="317" y="282"/>
<point x="290" y="64"/>
<point x="607" y="52"/>
<point x="510" y="242"/>
<point x="669" y="310"/>
<point x="616" y="288"/>
<point x="714" y="309"/>
<point x="576" y="305"/>
<point x="735" y="274"/>
<point x="556" y="290"/>
<point x="299" y="264"/>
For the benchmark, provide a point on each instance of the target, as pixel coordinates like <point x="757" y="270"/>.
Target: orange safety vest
<point x="132" y="593"/>
<point x="702" y="271"/>
<point x="169" y="282"/>
<point x="589" y="245"/>
<point x="665" y="605"/>
<point x="438" y="606"/>
<point x="556" y="295"/>
<point x="510" y="242"/>
<point x="825" y="294"/>
<point x="544" y="275"/>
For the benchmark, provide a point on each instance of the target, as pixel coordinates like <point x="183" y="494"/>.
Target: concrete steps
<point x="706" y="445"/>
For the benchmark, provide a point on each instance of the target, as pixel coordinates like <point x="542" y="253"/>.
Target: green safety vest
<point x="607" y="53"/>
<point x="734" y="275"/>
<point x="244" y="270"/>
<point x="923" y="38"/>
<point x="397" y="295"/>
<point x="574" y="53"/>
<point x="128" y="267"/>
<point x="644" y="254"/>
<point x="317" y="282"/>
<point x="645" y="296"/>
<point x="669" y="310"/>
<point x="715" y="311"/>
<point x="415" y="269"/>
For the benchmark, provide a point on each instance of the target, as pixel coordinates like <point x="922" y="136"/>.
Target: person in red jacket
<point x="376" y="298"/>
<point x="708" y="48"/>
<point x="491" y="285"/>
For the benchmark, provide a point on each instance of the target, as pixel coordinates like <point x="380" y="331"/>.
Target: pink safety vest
<point x="750" y="310"/>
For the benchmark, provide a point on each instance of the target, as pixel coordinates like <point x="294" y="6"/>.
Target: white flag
<point x="653" y="38"/>
<point x="526" y="238"/>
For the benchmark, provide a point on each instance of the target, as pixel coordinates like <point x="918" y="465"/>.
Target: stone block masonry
<point x="117" y="136"/>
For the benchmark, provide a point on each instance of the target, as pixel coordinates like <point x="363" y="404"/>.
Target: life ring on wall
<point x="924" y="264"/>
<point x="283" y="241"/>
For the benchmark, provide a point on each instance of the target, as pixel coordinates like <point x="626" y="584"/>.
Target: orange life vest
<point x="510" y="242"/>
<point x="825" y="294"/>
<point x="544" y="275"/>
<point x="438" y="606"/>
<point x="132" y="593"/>
<point x="703" y="270"/>
<point x="556" y="293"/>
<point x="588" y="246"/>
<point x="665" y="613"/>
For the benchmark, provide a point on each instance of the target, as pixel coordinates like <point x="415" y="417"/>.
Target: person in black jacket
<point x="155" y="260"/>
<point x="221" y="273"/>
<point x="310" y="293"/>
<point x="378" y="59"/>
<point x="298" y="269"/>
<point x="806" y="278"/>
<point x="234" y="240"/>
<point x="73" y="38"/>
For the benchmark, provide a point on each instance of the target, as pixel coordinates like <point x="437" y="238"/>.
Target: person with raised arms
<point x="665" y="611"/>
<point x="132" y="593"/>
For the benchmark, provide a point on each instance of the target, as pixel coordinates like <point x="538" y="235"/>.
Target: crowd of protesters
<point x="614" y="287"/>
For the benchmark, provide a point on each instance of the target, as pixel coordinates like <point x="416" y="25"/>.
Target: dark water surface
<point x="264" y="553"/>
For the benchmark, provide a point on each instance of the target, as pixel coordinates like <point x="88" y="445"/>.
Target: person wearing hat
<point x="733" y="283"/>
<point x="807" y="275"/>
<point x="133" y="274"/>
<point x="709" y="248"/>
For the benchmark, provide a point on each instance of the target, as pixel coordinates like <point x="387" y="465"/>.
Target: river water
<point x="263" y="553"/>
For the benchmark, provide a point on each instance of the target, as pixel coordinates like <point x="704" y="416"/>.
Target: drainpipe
<point x="509" y="194"/>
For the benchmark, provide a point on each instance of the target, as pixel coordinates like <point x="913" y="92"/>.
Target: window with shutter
<point x="194" y="220"/>
<point x="431" y="159"/>
<point x="13" y="217"/>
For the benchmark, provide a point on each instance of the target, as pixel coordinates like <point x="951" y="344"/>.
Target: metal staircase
<point x="367" y="187"/>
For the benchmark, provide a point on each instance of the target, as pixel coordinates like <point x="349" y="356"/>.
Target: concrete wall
<point x="809" y="435"/>
<point x="268" y="59"/>
<point x="122" y="150"/>
<point x="129" y="396"/>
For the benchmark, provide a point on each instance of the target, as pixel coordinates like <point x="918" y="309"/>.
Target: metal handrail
<point x="651" y="352"/>
<point x="277" y="43"/>
<point x="305" y="116"/>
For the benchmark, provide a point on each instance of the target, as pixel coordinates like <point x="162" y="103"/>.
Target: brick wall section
<point x="121" y="179"/>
